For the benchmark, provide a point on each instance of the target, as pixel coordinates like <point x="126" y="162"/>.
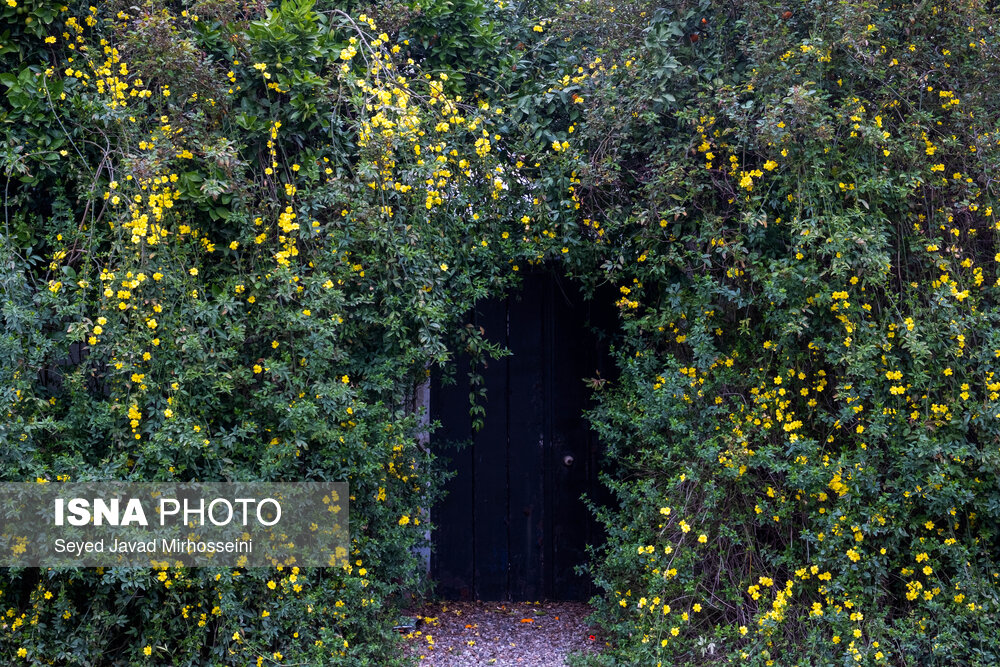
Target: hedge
<point x="238" y="235"/>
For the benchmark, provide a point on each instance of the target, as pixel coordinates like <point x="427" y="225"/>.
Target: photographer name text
<point x="161" y="546"/>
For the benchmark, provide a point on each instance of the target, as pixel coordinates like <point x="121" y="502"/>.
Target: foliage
<point x="236" y="238"/>
<point x="237" y="235"/>
<point x="796" y="203"/>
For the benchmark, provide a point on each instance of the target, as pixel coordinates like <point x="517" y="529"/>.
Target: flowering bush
<point x="236" y="238"/>
<point x="237" y="235"/>
<point x="803" y="438"/>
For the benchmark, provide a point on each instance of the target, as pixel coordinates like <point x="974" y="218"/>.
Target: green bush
<point x="236" y="239"/>
<point x="803" y="438"/>
<point x="237" y="236"/>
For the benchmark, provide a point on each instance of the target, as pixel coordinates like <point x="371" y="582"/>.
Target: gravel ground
<point x="540" y="634"/>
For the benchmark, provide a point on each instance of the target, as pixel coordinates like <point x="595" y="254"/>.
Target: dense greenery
<point x="237" y="235"/>
<point x="806" y="425"/>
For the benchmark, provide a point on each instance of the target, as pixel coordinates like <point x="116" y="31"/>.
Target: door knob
<point x="568" y="460"/>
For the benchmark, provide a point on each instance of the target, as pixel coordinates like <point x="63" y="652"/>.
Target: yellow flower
<point x="703" y="538"/>
<point x="148" y="650"/>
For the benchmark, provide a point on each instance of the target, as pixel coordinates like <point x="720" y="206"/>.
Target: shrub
<point x="802" y="438"/>
<point x="237" y="238"/>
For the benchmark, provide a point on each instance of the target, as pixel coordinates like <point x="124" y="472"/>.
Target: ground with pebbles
<point x="540" y="634"/>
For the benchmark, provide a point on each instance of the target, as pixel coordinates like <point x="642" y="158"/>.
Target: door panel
<point x="526" y="430"/>
<point x="449" y="404"/>
<point x="491" y="500"/>
<point x="513" y="525"/>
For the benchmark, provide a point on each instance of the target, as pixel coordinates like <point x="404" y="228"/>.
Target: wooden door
<point x="513" y="525"/>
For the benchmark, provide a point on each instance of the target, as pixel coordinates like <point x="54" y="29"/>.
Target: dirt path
<point x="454" y="634"/>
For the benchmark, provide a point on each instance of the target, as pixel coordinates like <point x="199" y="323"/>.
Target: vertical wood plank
<point x="453" y="554"/>
<point x="572" y="359"/>
<point x="490" y="461"/>
<point x="549" y="342"/>
<point x="602" y="316"/>
<point x="527" y="442"/>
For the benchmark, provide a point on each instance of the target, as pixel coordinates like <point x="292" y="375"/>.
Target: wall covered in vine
<point x="236" y="236"/>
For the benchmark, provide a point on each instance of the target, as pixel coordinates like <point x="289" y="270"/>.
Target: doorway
<point x="513" y="525"/>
